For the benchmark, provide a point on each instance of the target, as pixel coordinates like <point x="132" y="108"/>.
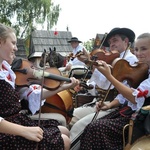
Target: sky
<point x="86" y="18"/>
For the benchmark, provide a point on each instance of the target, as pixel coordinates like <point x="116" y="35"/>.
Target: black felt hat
<point x="74" y="39"/>
<point x="125" y="31"/>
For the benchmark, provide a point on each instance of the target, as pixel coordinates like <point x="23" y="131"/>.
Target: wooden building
<point x="21" y="49"/>
<point x="98" y="42"/>
<point x="42" y="39"/>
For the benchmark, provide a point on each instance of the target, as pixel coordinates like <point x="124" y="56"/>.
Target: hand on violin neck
<point x="74" y="82"/>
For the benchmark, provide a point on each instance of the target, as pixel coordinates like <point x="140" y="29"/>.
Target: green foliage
<point x="6" y="12"/>
<point x="89" y="45"/>
<point x="23" y="15"/>
<point x="53" y="16"/>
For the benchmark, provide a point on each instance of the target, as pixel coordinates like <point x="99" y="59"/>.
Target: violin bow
<point x="42" y="85"/>
<point x="103" y="100"/>
<point x="103" y="40"/>
<point x="126" y="50"/>
<point x="76" y="141"/>
<point x="108" y="90"/>
<point x="90" y="67"/>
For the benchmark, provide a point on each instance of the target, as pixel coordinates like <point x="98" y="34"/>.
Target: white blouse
<point x="32" y="94"/>
<point x="142" y="92"/>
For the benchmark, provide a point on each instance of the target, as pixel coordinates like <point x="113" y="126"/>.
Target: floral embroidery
<point x="34" y="87"/>
<point x="8" y="76"/>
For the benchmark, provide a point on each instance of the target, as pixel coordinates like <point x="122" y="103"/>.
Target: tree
<point x="52" y="16"/>
<point x="89" y="44"/>
<point x="24" y="15"/>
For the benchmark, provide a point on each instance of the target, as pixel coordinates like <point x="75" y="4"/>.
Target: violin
<point x="28" y="74"/>
<point x="107" y="56"/>
<point x="122" y="70"/>
<point x="71" y="56"/>
<point x="100" y="54"/>
<point x="134" y="74"/>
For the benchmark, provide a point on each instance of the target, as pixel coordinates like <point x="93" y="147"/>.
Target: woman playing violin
<point x="17" y="130"/>
<point x="117" y="39"/>
<point x="106" y="133"/>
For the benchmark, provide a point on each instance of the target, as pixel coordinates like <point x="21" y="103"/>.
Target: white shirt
<point x="75" y="61"/>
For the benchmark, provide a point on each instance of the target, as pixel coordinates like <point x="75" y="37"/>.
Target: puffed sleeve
<point x="33" y="95"/>
<point x="142" y="92"/>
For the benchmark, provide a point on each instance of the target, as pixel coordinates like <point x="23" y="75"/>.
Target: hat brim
<point x="125" y="31"/>
<point x="74" y="41"/>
